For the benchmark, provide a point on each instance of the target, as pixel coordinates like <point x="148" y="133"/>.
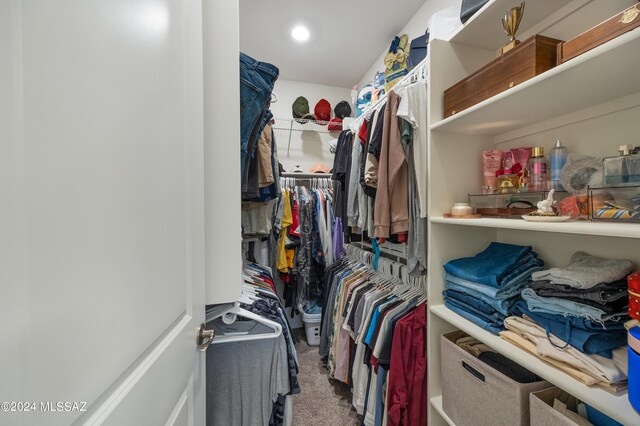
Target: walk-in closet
<point x="451" y="233"/>
<point x="294" y="213"/>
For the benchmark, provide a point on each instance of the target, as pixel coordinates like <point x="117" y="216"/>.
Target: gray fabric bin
<point x="542" y="411"/>
<point x="475" y="394"/>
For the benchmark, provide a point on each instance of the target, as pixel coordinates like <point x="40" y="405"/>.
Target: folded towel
<point x="586" y="271"/>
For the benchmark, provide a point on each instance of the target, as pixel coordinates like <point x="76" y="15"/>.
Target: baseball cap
<point x="342" y="110"/>
<point x="364" y="99"/>
<point x="335" y="125"/>
<point x="300" y="107"/>
<point x="323" y="110"/>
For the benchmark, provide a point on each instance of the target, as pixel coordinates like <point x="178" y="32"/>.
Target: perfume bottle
<point x="624" y="169"/>
<point x="538" y="170"/>
<point x="558" y="158"/>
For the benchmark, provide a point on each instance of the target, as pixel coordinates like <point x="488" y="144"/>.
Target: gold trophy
<point x="510" y="23"/>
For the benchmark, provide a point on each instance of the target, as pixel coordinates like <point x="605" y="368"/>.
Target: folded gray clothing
<point x="602" y="293"/>
<point x="586" y="271"/>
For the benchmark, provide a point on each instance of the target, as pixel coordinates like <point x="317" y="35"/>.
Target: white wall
<point x="414" y="28"/>
<point x="221" y="81"/>
<point x="309" y="143"/>
<point x="288" y="90"/>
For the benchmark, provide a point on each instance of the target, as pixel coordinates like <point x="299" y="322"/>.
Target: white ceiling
<point x="347" y="37"/>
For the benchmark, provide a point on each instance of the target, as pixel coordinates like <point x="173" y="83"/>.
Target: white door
<point x="102" y="224"/>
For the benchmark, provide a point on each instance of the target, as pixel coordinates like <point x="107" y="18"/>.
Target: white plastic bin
<point x="312" y="328"/>
<point x="296" y="321"/>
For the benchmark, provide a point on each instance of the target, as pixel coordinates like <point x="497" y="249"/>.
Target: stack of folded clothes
<point x="484" y="288"/>
<point x="575" y="316"/>
<point x="607" y="373"/>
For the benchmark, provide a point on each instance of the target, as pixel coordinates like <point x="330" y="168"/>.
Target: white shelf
<point x="484" y="29"/>
<point x="603" y="74"/>
<point x="437" y="405"/>
<point x="615" y="406"/>
<point x="605" y="229"/>
<point x="286" y="124"/>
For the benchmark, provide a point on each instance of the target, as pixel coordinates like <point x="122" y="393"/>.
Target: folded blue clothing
<point x="584" y="335"/>
<point x="523" y="270"/>
<point x="474" y="319"/>
<point x="509" y="288"/>
<point x="475" y="302"/>
<point x="491" y="265"/>
<point x="495" y="318"/>
<point x="501" y="305"/>
<point x="556" y="305"/>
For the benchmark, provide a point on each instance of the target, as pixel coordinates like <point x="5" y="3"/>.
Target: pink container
<point x="491" y="163"/>
<point x="521" y="155"/>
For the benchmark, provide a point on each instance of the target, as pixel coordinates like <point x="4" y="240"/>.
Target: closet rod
<point x="383" y="99"/>
<point x="306" y="175"/>
<point x="366" y="256"/>
<point x="397" y="256"/>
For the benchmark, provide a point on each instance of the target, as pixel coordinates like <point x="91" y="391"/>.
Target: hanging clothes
<point x="392" y="197"/>
<point x="252" y="381"/>
<point x="259" y="167"/>
<point x="413" y="109"/>
<point x="370" y="333"/>
<point x="380" y="172"/>
<point x="305" y="240"/>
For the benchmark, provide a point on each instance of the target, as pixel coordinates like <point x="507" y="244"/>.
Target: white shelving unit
<point x="591" y="103"/>
<point x="477" y="31"/>
<point x="603" y="229"/>
<point x="613" y="405"/>
<point x="436" y="403"/>
<point x="535" y="100"/>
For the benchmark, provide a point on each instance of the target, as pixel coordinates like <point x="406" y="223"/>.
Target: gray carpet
<point x="323" y="401"/>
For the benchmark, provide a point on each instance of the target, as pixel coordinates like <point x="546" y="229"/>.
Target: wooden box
<point x="534" y="56"/>
<point x="601" y="33"/>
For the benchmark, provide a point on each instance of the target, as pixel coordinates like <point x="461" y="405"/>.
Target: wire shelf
<point x="303" y="125"/>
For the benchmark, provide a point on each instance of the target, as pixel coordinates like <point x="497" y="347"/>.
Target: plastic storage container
<point x="623" y="169"/>
<point x="511" y="206"/>
<point x="615" y="204"/>
<point x="634" y="368"/>
<point x="295" y="321"/>
<point x="312" y="328"/>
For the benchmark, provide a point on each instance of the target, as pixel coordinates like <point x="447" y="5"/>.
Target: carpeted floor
<point x="322" y="401"/>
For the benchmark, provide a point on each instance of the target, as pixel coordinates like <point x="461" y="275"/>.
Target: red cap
<point x="323" y="110"/>
<point x="335" y="125"/>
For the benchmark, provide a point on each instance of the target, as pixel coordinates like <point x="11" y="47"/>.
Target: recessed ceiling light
<point x="300" y="33"/>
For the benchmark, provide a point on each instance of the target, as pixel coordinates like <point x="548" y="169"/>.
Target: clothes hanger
<point x="247" y="297"/>
<point x="230" y="315"/>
